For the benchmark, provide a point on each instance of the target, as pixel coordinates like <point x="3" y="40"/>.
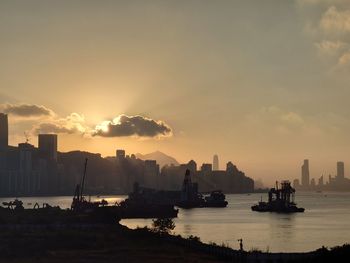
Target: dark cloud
<point x="27" y="110"/>
<point x="53" y="128"/>
<point x="132" y="126"/>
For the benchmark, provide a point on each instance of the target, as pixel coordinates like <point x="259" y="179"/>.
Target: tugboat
<point x="280" y="200"/>
<point x="216" y="199"/>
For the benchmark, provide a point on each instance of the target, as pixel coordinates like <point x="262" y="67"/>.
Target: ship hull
<point x="286" y="210"/>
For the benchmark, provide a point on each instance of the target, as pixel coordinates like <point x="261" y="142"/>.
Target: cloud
<point x="44" y="120"/>
<point x="344" y="59"/>
<point x="132" y="126"/>
<point x="333" y="33"/>
<point x="330" y="47"/>
<point x="26" y="110"/>
<point x="334" y="20"/>
<point x="317" y="2"/>
<point x="289" y="125"/>
<point x="72" y="124"/>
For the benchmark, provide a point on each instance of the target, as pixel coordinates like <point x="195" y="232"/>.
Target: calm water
<point x="326" y="222"/>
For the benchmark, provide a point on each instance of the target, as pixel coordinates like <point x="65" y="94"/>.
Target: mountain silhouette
<point x="161" y="158"/>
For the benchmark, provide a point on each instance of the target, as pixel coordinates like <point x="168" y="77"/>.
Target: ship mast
<point x="83" y="180"/>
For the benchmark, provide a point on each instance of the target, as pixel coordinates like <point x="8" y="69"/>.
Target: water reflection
<point x="187" y="230"/>
<point x="282" y="227"/>
<point x="326" y="221"/>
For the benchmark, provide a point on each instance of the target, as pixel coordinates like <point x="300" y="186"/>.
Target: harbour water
<point x="325" y="222"/>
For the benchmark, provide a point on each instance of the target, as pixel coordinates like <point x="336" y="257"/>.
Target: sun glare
<point x="104" y="126"/>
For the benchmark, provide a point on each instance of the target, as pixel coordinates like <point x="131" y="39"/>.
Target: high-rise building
<point x="340" y="170"/>
<point x="320" y="181"/>
<point x="312" y="183"/>
<point x="215" y="162"/>
<point x="296" y="183"/>
<point x="120" y="154"/>
<point x="151" y="172"/>
<point x="192" y="166"/>
<point x="4" y="131"/>
<point x="206" y="168"/>
<point x="151" y="168"/>
<point x="25" y="167"/>
<point x="48" y="146"/>
<point x="305" y="175"/>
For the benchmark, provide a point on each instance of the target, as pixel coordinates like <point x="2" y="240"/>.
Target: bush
<point x="163" y="225"/>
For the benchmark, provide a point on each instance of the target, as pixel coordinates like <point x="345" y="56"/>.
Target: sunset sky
<point x="262" y="83"/>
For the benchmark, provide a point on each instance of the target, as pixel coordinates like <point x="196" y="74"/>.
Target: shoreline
<point x="97" y="242"/>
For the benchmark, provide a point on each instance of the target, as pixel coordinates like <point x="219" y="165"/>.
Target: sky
<point x="264" y="84"/>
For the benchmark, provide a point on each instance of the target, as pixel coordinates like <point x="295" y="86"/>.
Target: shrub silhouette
<point x="163" y="225"/>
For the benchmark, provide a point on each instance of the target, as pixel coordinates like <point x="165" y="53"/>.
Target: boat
<point x="216" y="199"/>
<point x="281" y="200"/>
<point x="145" y="203"/>
<point x="191" y="198"/>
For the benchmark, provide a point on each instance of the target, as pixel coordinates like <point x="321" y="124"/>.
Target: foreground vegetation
<point x="120" y="244"/>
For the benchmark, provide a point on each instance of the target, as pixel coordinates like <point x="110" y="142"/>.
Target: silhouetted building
<point x="215" y="162"/>
<point x="305" y="175"/>
<point x="313" y="183"/>
<point x="340" y="170"/>
<point x="192" y="166"/>
<point x="206" y="169"/>
<point x="296" y="184"/>
<point x="151" y="172"/>
<point x="48" y="146"/>
<point x="120" y="154"/>
<point x="4" y="131"/>
<point x="320" y="181"/>
<point x="28" y="177"/>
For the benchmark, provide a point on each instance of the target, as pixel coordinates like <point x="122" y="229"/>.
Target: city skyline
<point x="231" y="78"/>
<point x="174" y="130"/>
<point x="26" y="170"/>
<point x="48" y="148"/>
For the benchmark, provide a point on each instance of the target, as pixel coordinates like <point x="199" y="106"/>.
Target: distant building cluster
<point x="170" y="177"/>
<point x="27" y="170"/>
<point x="337" y="182"/>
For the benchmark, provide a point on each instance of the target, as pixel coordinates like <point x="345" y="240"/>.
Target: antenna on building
<point x="27" y="137"/>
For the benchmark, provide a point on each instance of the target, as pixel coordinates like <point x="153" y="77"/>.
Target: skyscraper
<point x="206" y="169"/>
<point x="305" y="175"/>
<point x="48" y="146"/>
<point x="192" y="166"/>
<point x="25" y="167"/>
<point x="340" y="170"/>
<point x="4" y="131"/>
<point x="120" y="154"/>
<point x="215" y="163"/>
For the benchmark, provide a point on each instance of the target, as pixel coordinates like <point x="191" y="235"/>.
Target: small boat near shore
<point x="281" y="200"/>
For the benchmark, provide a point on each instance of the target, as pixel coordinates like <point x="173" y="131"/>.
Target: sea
<point x="325" y="222"/>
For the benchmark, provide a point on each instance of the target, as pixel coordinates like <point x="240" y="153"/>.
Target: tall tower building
<point x="25" y="167"/>
<point x="192" y="166"/>
<point x="4" y="131"/>
<point x="215" y="163"/>
<point x="305" y="175"/>
<point x="48" y="146"/>
<point x="120" y="154"/>
<point x="340" y="170"/>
